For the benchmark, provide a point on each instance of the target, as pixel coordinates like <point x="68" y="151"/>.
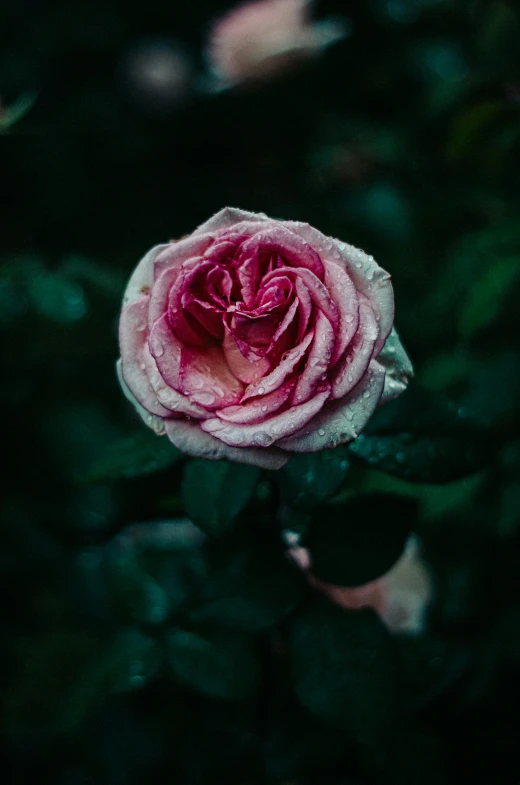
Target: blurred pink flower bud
<point x="400" y="597"/>
<point x="259" y="39"/>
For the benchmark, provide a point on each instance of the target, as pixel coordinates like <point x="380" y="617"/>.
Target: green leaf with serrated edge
<point x="219" y="664"/>
<point x="358" y="541"/>
<point x="214" y="492"/>
<point x="133" y="456"/>
<point x="311" y="478"/>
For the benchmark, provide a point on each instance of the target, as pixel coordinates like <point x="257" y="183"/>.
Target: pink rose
<point x="252" y="339"/>
<point x="259" y="39"/>
<point x="400" y="597"/>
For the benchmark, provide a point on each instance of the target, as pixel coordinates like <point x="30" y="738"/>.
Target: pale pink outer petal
<point x="141" y="280"/>
<point x="318" y="360"/>
<point x="188" y="437"/>
<point x="366" y="275"/>
<point x="398" y="366"/>
<point x="342" y="420"/>
<point x="180" y="251"/>
<point x="279" y="374"/>
<point x="133" y="331"/>
<point x="244" y="370"/>
<point x="173" y="400"/>
<point x="355" y="361"/>
<point x="228" y="217"/>
<point x="259" y="408"/>
<point x="271" y="429"/>
<point x="152" y="420"/>
<point x="166" y="349"/>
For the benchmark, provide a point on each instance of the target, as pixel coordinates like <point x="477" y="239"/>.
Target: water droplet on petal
<point x="261" y="390"/>
<point x="358" y="264"/>
<point x="158" y="349"/>
<point x="349" y="318"/>
<point x="366" y="394"/>
<point x="264" y="408"/>
<point x="321" y="432"/>
<point x="262" y="438"/>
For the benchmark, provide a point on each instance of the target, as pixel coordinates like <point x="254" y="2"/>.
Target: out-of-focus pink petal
<point x="180" y="251"/>
<point x="152" y="420"/>
<point x="278" y="375"/>
<point x="240" y="366"/>
<point x="275" y="238"/>
<point x="206" y="379"/>
<point x="355" y="361"/>
<point x="227" y="218"/>
<point x="133" y="331"/>
<point x="259" y="408"/>
<point x="271" y="429"/>
<point x="399" y="369"/>
<point x="341" y="421"/>
<point x="366" y="275"/>
<point x="318" y="360"/>
<point x="141" y="280"/>
<point x="188" y="437"/>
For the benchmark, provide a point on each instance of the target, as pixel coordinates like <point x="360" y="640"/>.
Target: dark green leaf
<point x="250" y="585"/>
<point x="137" y="593"/>
<point x="421" y="438"/>
<point x="214" y="492"/>
<point x="221" y="665"/>
<point x="311" y="478"/>
<point x="133" y="456"/>
<point x="357" y="542"/>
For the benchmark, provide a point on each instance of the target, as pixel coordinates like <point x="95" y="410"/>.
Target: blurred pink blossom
<point x="259" y="39"/>
<point x="400" y="597"/>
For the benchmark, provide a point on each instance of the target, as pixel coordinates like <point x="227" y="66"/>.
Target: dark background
<point x="403" y="139"/>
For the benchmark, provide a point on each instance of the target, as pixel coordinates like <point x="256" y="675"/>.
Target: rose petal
<point x="152" y="420"/>
<point x="304" y="308"/>
<point x="228" y="217"/>
<point x="275" y="238"/>
<point x="141" y="280"/>
<point x="188" y="437"/>
<point x="170" y="398"/>
<point x="240" y="366"/>
<point x="317" y="290"/>
<point x="279" y="374"/>
<point x="259" y="408"/>
<point x="177" y="253"/>
<point x="318" y="361"/>
<point x="355" y="361"/>
<point x="399" y="369"/>
<point x="132" y="341"/>
<point x="166" y="348"/>
<point x="345" y="296"/>
<point x="271" y="429"/>
<point x="341" y="421"/>
<point x="206" y="379"/>
<point x="368" y="278"/>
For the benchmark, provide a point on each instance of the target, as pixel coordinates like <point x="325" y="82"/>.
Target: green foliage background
<point x="140" y="649"/>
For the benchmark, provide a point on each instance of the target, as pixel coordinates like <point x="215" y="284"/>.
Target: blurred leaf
<point x="250" y="585"/>
<point x="221" y="665"/>
<point x="214" y="492"/>
<point x="421" y="438"/>
<point x="17" y="110"/>
<point x="358" y="541"/>
<point x="311" y="478"/>
<point x="487" y="294"/>
<point x="133" y="456"/>
<point x="139" y="595"/>
<point x="347" y="672"/>
<point x="65" y="674"/>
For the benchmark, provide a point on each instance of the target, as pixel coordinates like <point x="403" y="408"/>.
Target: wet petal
<point x="275" y="238"/>
<point x="342" y="420"/>
<point x="188" y="437"/>
<point x="133" y="332"/>
<point x="278" y="375"/>
<point x="355" y="361"/>
<point x="398" y="366"/>
<point x="240" y="366"/>
<point x="141" y="280"/>
<point x="152" y="420"/>
<point x="271" y="429"/>
<point x="227" y="218"/>
<point x="318" y="361"/>
<point x="206" y="379"/>
<point x="259" y="408"/>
